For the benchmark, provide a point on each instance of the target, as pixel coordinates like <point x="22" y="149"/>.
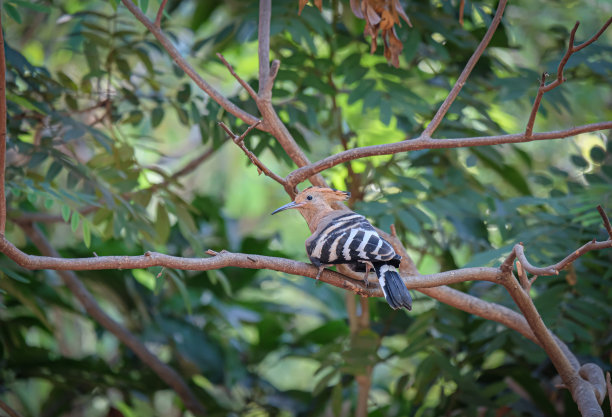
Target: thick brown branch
<point x="263" y="46"/>
<point x="2" y="131"/>
<point x="301" y="174"/>
<point x="435" y="122"/>
<point x="239" y="140"/>
<point x="461" y="11"/>
<point x="583" y="392"/>
<point x="167" y="374"/>
<point x="189" y="70"/>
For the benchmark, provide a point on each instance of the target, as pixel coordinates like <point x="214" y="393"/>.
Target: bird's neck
<point x="314" y="216"/>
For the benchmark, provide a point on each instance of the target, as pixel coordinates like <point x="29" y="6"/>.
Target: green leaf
<point x="182" y="96"/>
<point x="162" y="223"/>
<point x="74" y="221"/>
<point x="359" y="92"/>
<point x="12" y="12"/>
<point x="180" y="285"/>
<point x="86" y="233"/>
<point x="54" y="169"/>
<point x="144" y="5"/>
<point x="157" y="115"/>
<point x="65" y="213"/>
<point x="15" y="276"/>
<point x="66" y="81"/>
<point x="37" y="7"/>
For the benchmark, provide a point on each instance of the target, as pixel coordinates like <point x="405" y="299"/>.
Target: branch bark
<point x="2" y="131"/>
<point x="420" y="143"/>
<point x="185" y="66"/>
<point x="167" y="374"/>
<point x="571" y="49"/>
<point x="261" y="168"/>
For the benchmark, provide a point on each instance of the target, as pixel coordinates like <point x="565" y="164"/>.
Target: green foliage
<point x="99" y="117"/>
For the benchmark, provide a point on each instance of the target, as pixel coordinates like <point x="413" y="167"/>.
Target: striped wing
<point x="349" y="238"/>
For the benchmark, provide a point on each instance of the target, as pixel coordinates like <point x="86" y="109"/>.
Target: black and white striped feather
<point x="350" y="239"/>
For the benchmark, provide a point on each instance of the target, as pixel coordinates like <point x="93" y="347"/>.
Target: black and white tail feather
<point x="350" y="239"/>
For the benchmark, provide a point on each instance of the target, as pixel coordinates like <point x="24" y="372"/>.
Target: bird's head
<point x="315" y="202"/>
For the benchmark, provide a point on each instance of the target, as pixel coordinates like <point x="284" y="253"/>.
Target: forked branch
<point x="239" y="140"/>
<point x="572" y="48"/>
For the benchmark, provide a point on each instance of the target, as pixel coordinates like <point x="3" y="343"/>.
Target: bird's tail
<point x="393" y="287"/>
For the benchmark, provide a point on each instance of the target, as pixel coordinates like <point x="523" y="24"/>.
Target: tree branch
<point x="452" y="95"/>
<point x="263" y="46"/>
<point x="8" y="410"/>
<point x="189" y="70"/>
<point x="267" y="74"/>
<point x="571" y="49"/>
<point x="2" y="131"/>
<point x="583" y="390"/>
<point x="605" y="220"/>
<point x="243" y="83"/>
<point x="301" y="174"/>
<point x="239" y="140"/>
<point x="167" y="374"/>
<point x="160" y="13"/>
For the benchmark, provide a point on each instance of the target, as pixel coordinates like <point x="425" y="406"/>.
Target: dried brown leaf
<point x="400" y="10"/>
<point x="356" y="8"/>
<point x="302" y="4"/>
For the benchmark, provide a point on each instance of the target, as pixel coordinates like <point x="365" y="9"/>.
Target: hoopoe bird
<point x="345" y="237"/>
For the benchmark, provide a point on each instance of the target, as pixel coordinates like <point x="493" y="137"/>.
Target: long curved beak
<point x="291" y="205"/>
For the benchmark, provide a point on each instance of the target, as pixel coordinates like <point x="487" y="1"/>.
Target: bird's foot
<point x="321" y="268"/>
<point x="368" y="266"/>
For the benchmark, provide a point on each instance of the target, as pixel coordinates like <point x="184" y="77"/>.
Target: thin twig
<point x="187" y="68"/>
<point x="554" y="269"/>
<point x="560" y="79"/>
<point x="606" y="221"/>
<point x="243" y="83"/>
<point x="239" y="140"/>
<point x="160" y="13"/>
<point x="536" y="105"/>
<point x="571" y="49"/>
<point x="2" y="131"/>
<point x="609" y="389"/>
<point x="452" y="95"/>
<point x="522" y="276"/>
<point x="8" y="410"/>
<point x="167" y="374"/>
<point x="461" y="10"/>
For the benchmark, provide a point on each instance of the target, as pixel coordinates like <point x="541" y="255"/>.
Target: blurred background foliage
<point x="99" y="117"/>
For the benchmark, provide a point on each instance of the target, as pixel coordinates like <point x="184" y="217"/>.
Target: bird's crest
<point x="329" y="194"/>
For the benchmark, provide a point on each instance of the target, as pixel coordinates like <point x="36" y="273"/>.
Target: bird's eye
<point x="309" y="197"/>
